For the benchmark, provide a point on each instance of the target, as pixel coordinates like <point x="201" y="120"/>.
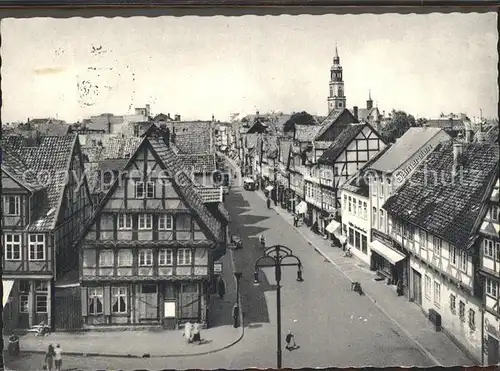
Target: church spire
<point x="336" y="58"/>
<point x="369" y="102"/>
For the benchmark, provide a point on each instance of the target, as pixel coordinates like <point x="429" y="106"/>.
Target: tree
<point x="399" y="123"/>
<point x="299" y="118"/>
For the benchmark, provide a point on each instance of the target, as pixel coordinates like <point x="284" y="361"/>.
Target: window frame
<point x="453" y="303"/>
<point x="183" y="262"/>
<point x="24" y="298"/>
<point x="7" y="205"/>
<point x="374" y="217"/>
<point x="437" y="298"/>
<point x="102" y="262"/>
<point x="428" y="287"/>
<point x="125" y="222"/>
<point x="453" y="255"/>
<point x="41" y="296"/>
<point x="117" y="293"/>
<point x="94" y="293"/>
<point x="166" y="254"/>
<point x="472" y="319"/>
<point x="489" y="245"/>
<point x="151" y="184"/>
<point x="493" y="290"/>
<point x="461" y="311"/>
<point x="33" y="247"/>
<point x="145" y="258"/>
<point x="437" y="244"/>
<point x="166" y="219"/>
<point x="11" y="245"/>
<point x="464" y="261"/>
<point x="145" y="218"/>
<point x="136" y="189"/>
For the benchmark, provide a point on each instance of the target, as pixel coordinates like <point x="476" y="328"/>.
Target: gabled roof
<point x="199" y="163"/>
<point x="192" y="137"/>
<point x="340" y="143"/>
<point x="306" y="133"/>
<point x="331" y="119"/>
<point x="449" y="210"/>
<point x="405" y="147"/>
<point x="48" y="165"/>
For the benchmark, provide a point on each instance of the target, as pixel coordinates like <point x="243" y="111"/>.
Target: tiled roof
<point x="192" y="137"/>
<point x="492" y="134"/>
<point x="449" y="210"/>
<point x="340" y="143"/>
<point x="405" y="147"/>
<point x="358" y="183"/>
<point x="306" y="133"/>
<point x="47" y="164"/>
<point x="329" y="121"/>
<point x="53" y="129"/>
<point x="322" y="144"/>
<point x="446" y="123"/>
<point x="109" y="146"/>
<point x="15" y="166"/>
<point x="199" y="163"/>
<point x="174" y="165"/>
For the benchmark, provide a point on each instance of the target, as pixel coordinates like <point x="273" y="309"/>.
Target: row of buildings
<point x="423" y="212"/>
<point x="116" y="231"/>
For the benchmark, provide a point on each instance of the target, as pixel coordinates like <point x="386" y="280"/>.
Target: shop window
<point x="119" y="299"/>
<point x="364" y="244"/>
<point x="95" y="301"/>
<point x="351" y="236"/>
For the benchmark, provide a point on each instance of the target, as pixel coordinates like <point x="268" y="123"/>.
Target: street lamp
<point x="275" y="256"/>
<point x="236" y="310"/>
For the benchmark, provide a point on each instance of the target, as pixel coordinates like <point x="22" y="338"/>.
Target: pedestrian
<point x="49" y="358"/>
<point x="188" y="331"/>
<point x="58" y="357"/>
<point x="236" y="313"/>
<point x="262" y="241"/>
<point x="221" y="288"/>
<point x="268" y="202"/>
<point x="295" y="220"/>
<point x="196" y="333"/>
<point x="289" y="339"/>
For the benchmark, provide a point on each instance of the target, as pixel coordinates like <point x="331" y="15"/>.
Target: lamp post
<point x="275" y="256"/>
<point x="236" y="310"/>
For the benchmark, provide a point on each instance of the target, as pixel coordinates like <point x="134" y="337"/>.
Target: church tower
<point x="336" y="99"/>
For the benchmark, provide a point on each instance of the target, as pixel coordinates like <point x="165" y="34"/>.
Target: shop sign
<point x="218" y="267"/>
<point x="356" y="227"/>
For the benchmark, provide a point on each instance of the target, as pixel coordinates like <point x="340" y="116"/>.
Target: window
<point x="494" y="213"/>
<point x="491" y="288"/>
<point x="139" y="189"/>
<point x="165" y="257"/>
<point x="95" y="301"/>
<point x="365" y="211"/>
<point x="497" y="251"/>
<point x="488" y="248"/>
<point x="453" y="303"/>
<point x="150" y="189"/>
<point x="23" y="303"/>
<point x="165" y="222"/>
<point x="354" y="206"/>
<point x="12" y="247"/>
<point x="382" y="225"/>
<point x="106" y="258"/>
<point x="345" y="202"/>
<point x="351" y="236"/>
<point x="464" y="261"/>
<point x="12" y="205"/>
<point x="373" y="185"/>
<point x="428" y="286"/>
<point x="145" y="221"/>
<point x="453" y="255"/>
<point x="461" y="311"/>
<point x="145" y="258"/>
<point x="423" y="238"/>
<point x="335" y="171"/>
<point x="437" y="247"/>
<point x="437" y="294"/>
<point x="381" y="187"/>
<point x="472" y="319"/>
<point x="124" y="221"/>
<point x="37" y="246"/>
<point x="374" y="217"/>
<point x="41" y="303"/>
<point x="360" y="208"/>
<point x="350" y="204"/>
<point x="184" y="257"/>
<point x="125" y="258"/>
<point x="364" y="245"/>
<point x="119" y="299"/>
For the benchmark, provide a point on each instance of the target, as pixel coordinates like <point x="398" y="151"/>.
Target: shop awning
<point x="302" y="207"/>
<point x="7" y="287"/>
<point x="333" y="226"/>
<point x="269" y="188"/>
<point x="389" y="254"/>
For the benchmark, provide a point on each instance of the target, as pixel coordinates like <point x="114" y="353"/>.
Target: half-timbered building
<point x="46" y="202"/>
<point x="146" y="257"/>
<point x="434" y="218"/>
<point x="490" y="272"/>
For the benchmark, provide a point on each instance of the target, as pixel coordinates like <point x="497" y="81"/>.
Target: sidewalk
<point x="135" y="344"/>
<point x="407" y="316"/>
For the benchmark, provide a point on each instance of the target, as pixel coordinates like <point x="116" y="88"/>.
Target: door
<point x="417" y="287"/>
<point x="147" y="303"/>
<point x="190" y="301"/>
<point x="493" y="351"/>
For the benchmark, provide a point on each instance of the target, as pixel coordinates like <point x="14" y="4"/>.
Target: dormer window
<point x="12" y="205"/>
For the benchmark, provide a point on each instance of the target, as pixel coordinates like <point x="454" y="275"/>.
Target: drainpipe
<point x="482" y="331"/>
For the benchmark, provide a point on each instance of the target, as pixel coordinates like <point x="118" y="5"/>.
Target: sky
<point x="199" y="66"/>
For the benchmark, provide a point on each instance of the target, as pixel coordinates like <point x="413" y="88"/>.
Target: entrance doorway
<point x="417" y="287"/>
<point x="493" y="351"/>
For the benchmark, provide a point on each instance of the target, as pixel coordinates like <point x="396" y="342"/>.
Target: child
<point x="289" y="338"/>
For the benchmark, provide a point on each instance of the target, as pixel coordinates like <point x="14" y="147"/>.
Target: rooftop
<point x="340" y="143"/>
<point x="445" y="208"/>
<point x="404" y="148"/>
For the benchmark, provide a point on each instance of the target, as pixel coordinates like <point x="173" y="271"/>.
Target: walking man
<point x="289" y="340"/>
<point x="268" y="202"/>
<point x="236" y="314"/>
<point x="221" y="288"/>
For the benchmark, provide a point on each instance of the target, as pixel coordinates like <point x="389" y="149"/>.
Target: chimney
<point x="355" y="111"/>
<point x="166" y="136"/>
<point x="177" y="118"/>
<point x="257" y="113"/>
<point x="148" y="110"/>
<point x="458" y="148"/>
<point x="213" y="117"/>
<point x="173" y="135"/>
